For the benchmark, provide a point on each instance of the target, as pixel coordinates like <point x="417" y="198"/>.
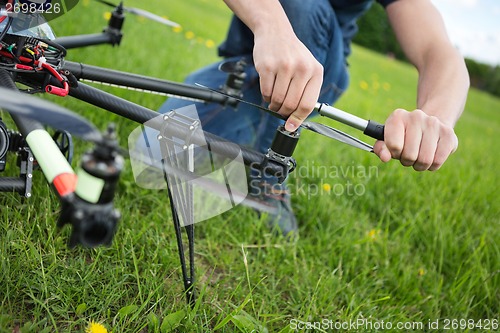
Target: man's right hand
<point x="290" y="76"/>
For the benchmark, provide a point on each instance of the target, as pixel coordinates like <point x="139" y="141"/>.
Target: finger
<point x="381" y="150"/>
<point x="280" y="90"/>
<point x="394" y="135"/>
<point x="428" y="146"/>
<point x="446" y="146"/>
<point x="411" y="147"/>
<point x="306" y="105"/>
<point x="294" y="96"/>
<point x="267" y="80"/>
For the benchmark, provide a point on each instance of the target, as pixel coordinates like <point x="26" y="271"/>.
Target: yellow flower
<point x="189" y="35"/>
<point x="96" y="328"/>
<point x="386" y="86"/>
<point x="177" y="29"/>
<point x="107" y="15"/>
<point x="209" y="43"/>
<point x="421" y="272"/>
<point x="327" y="187"/>
<point x="373" y="234"/>
<point x="364" y="85"/>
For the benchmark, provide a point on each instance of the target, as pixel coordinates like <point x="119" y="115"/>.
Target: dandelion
<point x="96" y="328"/>
<point x="421" y="272"/>
<point x="210" y="43"/>
<point x="177" y="29"/>
<point x="327" y="187"/>
<point x="373" y="234"/>
<point x="189" y="35"/>
<point x="364" y="85"/>
<point x="107" y="15"/>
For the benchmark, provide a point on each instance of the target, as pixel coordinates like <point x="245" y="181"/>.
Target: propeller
<point x="324" y="130"/>
<point x="141" y="12"/>
<point x="49" y="114"/>
<point x="337" y="135"/>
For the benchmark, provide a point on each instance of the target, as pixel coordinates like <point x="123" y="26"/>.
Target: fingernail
<point x="290" y="127"/>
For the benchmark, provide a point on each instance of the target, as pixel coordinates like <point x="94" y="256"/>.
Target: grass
<point x="400" y="246"/>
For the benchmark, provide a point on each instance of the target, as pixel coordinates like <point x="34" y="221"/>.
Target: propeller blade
<point x="143" y="13"/>
<point x="335" y="134"/>
<point x="151" y="16"/>
<point x="325" y="130"/>
<point x="110" y="4"/>
<point x="49" y="114"/>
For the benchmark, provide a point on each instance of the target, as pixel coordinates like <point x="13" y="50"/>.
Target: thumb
<point x="293" y="123"/>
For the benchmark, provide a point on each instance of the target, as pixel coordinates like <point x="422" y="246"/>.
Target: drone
<point x="31" y="57"/>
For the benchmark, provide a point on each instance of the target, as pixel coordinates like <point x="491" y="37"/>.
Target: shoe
<point x="282" y="219"/>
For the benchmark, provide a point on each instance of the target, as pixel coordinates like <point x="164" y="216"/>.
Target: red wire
<point x="50" y="89"/>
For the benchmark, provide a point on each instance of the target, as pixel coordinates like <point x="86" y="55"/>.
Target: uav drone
<point x="32" y="57"/>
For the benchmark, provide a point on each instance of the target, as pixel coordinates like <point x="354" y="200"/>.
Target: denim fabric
<point x="316" y="25"/>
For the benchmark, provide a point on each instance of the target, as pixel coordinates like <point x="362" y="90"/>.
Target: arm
<point x="290" y="76"/>
<point x="425" y="138"/>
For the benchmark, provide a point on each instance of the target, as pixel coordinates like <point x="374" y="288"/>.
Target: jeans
<point x="316" y="24"/>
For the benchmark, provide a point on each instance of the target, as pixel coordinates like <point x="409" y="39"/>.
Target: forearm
<point x="443" y="85"/>
<point x="443" y="78"/>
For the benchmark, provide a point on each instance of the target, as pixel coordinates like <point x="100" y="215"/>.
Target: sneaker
<point x="276" y="195"/>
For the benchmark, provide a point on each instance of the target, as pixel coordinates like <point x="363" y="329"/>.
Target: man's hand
<point x="290" y="76"/>
<point x="417" y="140"/>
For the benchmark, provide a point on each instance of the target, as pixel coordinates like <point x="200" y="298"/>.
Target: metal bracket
<point x="26" y="161"/>
<point x="181" y="197"/>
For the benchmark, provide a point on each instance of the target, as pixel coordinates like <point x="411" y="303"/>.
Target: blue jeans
<point x="316" y="25"/>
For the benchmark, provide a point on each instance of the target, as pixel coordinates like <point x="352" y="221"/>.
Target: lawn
<point x="379" y="244"/>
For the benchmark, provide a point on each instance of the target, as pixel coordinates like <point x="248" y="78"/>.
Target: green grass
<point x="406" y="247"/>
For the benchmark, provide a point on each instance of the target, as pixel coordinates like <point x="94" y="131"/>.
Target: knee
<point x="313" y="20"/>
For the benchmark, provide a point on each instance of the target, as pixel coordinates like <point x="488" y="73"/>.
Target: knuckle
<point x="423" y="163"/>
<point x="435" y="166"/>
<point x="298" y="116"/>
<point x="418" y="115"/>
<point x="304" y="67"/>
<point x="290" y="104"/>
<point x="408" y="159"/>
<point x="278" y="98"/>
<point x="397" y="116"/>
<point x="439" y="160"/>
<point x="287" y="66"/>
<point x="433" y="122"/>
<point x="395" y="148"/>
<point x="400" y="112"/>
<point x="420" y="167"/>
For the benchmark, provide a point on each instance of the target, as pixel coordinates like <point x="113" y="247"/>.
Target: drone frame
<point x="76" y="72"/>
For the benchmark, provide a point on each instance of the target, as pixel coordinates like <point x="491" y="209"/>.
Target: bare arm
<point x="425" y="138"/>
<point x="290" y="77"/>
